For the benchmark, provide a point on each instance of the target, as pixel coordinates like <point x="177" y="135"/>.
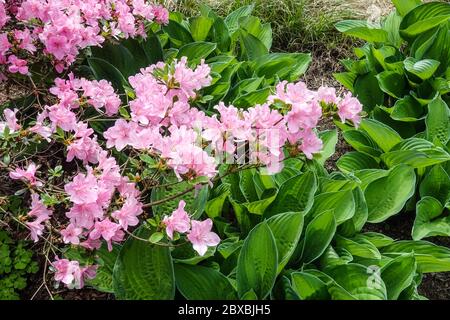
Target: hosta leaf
<point x="361" y="30"/>
<point x="424" y="69"/>
<point x="366" y="176"/>
<point x="398" y="274"/>
<point x="384" y="136"/>
<point x="178" y="34"/>
<point x="318" y="235"/>
<point x="436" y="184"/>
<point x="329" y="139"/>
<point x="415" y="158"/>
<point x="202" y="283"/>
<point x="438" y="121"/>
<point x="368" y="92"/>
<point x="397" y="187"/>
<point x="196" y="51"/>
<point x="429" y="257"/>
<point x="427" y="223"/>
<point x="360" y="141"/>
<point x="143" y="271"/>
<point x="295" y="194"/>
<point x="341" y="202"/>
<point x="102" y="69"/>
<point x="423" y="18"/>
<point x="286" y="229"/>
<point x="405" y="6"/>
<point x="200" y="27"/>
<point x="347" y="79"/>
<point x="407" y="110"/>
<point x="358" y="281"/>
<point x="309" y="287"/>
<point x="358" y="247"/>
<point x="392" y="83"/>
<point x="258" y="262"/>
<point x="232" y="20"/>
<point x="259" y="206"/>
<point x="354" y="161"/>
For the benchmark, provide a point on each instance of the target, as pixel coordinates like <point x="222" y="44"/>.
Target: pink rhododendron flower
<point x="327" y="95"/>
<point x="71" y="234"/>
<point x="119" y="135"/>
<point x="41" y="214"/>
<point x="40" y="128"/>
<point x="178" y="221"/>
<point x="85" y="215"/>
<point x="11" y="119"/>
<point x="349" y="108"/>
<point x="127" y="215"/>
<point x="83" y="189"/>
<point x="27" y="174"/>
<point x="62" y="117"/>
<point x="71" y="274"/>
<point x="107" y="230"/>
<point x="17" y="65"/>
<point x="201" y="236"/>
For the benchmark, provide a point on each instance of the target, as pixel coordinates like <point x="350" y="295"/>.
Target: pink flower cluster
<point x="61" y="29"/>
<point x="71" y="273"/>
<point x="198" y="232"/>
<point x="27" y="174"/>
<point x="41" y="214"/>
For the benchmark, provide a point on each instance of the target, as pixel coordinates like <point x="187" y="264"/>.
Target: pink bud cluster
<point x="198" y="232"/>
<point x="61" y="28"/>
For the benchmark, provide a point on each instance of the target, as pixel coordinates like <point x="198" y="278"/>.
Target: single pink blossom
<point x="179" y="221"/>
<point x="27" y="174"/>
<point x="201" y="236"/>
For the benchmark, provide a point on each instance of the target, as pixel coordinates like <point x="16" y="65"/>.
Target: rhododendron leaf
<point x="143" y="271"/>
<point x="438" y="121"/>
<point x="318" y="235"/>
<point x="398" y="186"/>
<point x="357" y="281"/>
<point x="257" y="263"/>
<point x="427" y="222"/>
<point x="286" y="229"/>
<point x="429" y="257"/>
<point x="202" y="283"/>
<point x="295" y="194"/>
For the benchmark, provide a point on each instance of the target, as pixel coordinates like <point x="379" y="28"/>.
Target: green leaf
<point x="360" y="141"/>
<point x="329" y="139"/>
<point x="429" y="257"/>
<point x="296" y="194"/>
<point x="438" y="121"/>
<point x="405" y="6"/>
<point x="309" y="287"/>
<point x="359" y="281"/>
<point x="253" y="47"/>
<point x="318" y="235"/>
<point x="392" y="83"/>
<point x="257" y="262"/>
<point x="102" y="69"/>
<point x="368" y="92"/>
<point x="178" y="34"/>
<point x="347" y="79"/>
<point x="143" y="271"/>
<point x="354" y="161"/>
<point x="196" y="51"/>
<point x="415" y="158"/>
<point x="397" y="187"/>
<point x="407" y="110"/>
<point x="384" y="136"/>
<point x="427" y="223"/>
<point x="424" y="18"/>
<point x="436" y="184"/>
<point x="286" y="229"/>
<point x="341" y="202"/>
<point x="202" y="283"/>
<point x="232" y="20"/>
<point x="362" y="30"/>
<point x="398" y="274"/>
<point x="424" y="69"/>
<point x="200" y="27"/>
<point x="358" y="247"/>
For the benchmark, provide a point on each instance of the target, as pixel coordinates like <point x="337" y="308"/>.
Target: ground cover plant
<point x="166" y="155"/>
